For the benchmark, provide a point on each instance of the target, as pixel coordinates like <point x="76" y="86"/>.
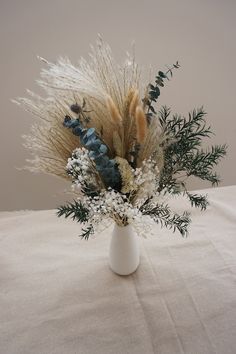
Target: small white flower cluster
<point x="147" y="178"/>
<point x="144" y="226"/>
<point x="80" y="167"/>
<point x="111" y="204"/>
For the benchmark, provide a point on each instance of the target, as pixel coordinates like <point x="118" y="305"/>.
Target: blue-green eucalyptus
<point x="98" y="151"/>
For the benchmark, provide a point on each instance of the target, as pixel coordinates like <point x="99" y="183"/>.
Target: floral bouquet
<point x="100" y="130"/>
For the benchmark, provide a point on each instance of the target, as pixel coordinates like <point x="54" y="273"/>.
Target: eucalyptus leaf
<point x="161" y="74"/>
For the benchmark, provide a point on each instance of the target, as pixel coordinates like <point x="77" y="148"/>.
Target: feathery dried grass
<point x="152" y="146"/>
<point x="49" y="142"/>
<point x="113" y="111"/>
<point x="93" y="80"/>
<point x="141" y="124"/>
<point x="134" y="103"/>
<point x="130" y="130"/>
<point x="112" y="95"/>
<point x="117" y="143"/>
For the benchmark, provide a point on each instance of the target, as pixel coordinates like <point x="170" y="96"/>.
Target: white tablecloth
<point x="58" y="295"/>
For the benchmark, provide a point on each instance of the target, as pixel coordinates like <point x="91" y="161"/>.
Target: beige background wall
<point x="200" y="34"/>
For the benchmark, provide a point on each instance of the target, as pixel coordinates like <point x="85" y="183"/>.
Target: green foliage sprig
<point x="183" y="155"/>
<point x="78" y="212"/>
<point x="162" y="215"/>
<point x="154" y="89"/>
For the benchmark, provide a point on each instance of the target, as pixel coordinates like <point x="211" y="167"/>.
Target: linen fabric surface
<point x="59" y="296"/>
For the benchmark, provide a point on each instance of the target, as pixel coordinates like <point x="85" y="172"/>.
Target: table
<point x="58" y="295"/>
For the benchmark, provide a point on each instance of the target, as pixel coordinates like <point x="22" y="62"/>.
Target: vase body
<point x="124" y="253"/>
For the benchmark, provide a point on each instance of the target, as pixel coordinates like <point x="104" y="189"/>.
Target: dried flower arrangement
<point x="100" y="130"/>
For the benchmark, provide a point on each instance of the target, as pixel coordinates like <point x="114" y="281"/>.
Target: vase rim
<point x="122" y="226"/>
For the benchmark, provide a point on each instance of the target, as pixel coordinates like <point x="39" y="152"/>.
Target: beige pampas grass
<point x="141" y="124"/>
<point x="132" y="100"/>
<point x="49" y="142"/>
<point x="113" y="110"/>
<point x="134" y="103"/>
<point x="94" y="80"/>
<point x="117" y="143"/>
<point x="153" y="145"/>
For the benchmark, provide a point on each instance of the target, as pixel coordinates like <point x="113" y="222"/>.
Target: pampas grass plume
<point x="133" y="104"/>
<point x="113" y="110"/>
<point x="141" y="124"/>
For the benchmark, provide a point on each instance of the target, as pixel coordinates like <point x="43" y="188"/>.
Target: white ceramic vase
<point x="124" y="253"/>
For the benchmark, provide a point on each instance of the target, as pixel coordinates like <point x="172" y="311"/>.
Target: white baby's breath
<point x="108" y="203"/>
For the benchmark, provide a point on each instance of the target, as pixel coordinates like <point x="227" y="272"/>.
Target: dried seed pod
<point x="127" y="177"/>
